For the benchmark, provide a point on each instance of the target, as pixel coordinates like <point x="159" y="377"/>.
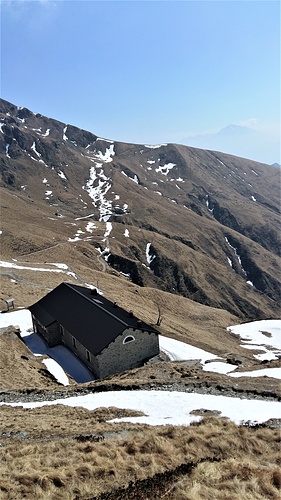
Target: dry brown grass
<point x="48" y="462"/>
<point x="229" y="480"/>
<point x="47" y="423"/>
<point x="31" y="236"/>
<point x="31" y="374"/>
<point x="246" y="460"/>
<point x="19" y="368"/>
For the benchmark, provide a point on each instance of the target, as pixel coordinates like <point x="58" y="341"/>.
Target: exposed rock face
<point x="202" y="224"/>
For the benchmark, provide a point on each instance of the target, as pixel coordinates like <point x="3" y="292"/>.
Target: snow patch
<point x="33" y="147"/>
<point x="56" y="370"/>
<point x="236" y="254"/>
<point x="12" y="265"/>
<point x="85" y="217"/>
<point x="104" y="140"/>
<point x="266" y="372"/>
<point x="179" y="351"/>
<point x="76" y="238"/>
<point x="97" y="187"/>
<point x="168" y="407"/>
<point x="229" y="262"/>
<point x="134" y="179"/>
<point x="266" y="334"/>
<point x="108" y="229"/>
<point x="90" y="226"/>
<point x="62" y="360"/>
<point x="149" y="257"/>
<point x="48" y="194"/>
<point x="61" y="175"/>
<point x="46" y="133"/>
<point x="164" y="169"/>
<point x="107" y="156"/>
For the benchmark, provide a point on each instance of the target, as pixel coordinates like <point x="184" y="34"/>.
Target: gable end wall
<point x="118" y="357"/>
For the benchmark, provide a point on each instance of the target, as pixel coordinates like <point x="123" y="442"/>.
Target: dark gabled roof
<point x="91" y="318"/>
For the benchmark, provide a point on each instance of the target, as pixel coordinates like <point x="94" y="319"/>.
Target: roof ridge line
<point x="97" y="305"/>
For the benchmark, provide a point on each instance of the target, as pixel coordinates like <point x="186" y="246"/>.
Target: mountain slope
<point x="201" y="224"/>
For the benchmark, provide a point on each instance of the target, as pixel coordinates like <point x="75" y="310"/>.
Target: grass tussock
<point x="227" y="462"/>
<point x="231" y="479"/>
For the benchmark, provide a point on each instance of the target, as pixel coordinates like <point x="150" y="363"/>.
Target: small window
<point x="128" y="339"/>
<point x="88" y="355"/>
<point x="61" y="330"/>
<point x="74" y="342"/>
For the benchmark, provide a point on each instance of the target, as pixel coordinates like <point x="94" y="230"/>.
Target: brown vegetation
<point x="221" y="460"/>
<point x="19" y="368"/>
<point x="62" y="453"/>
<point x="31" y="375"/>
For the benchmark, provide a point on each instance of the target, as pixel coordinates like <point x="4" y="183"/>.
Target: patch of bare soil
<point x="267" y="334"/>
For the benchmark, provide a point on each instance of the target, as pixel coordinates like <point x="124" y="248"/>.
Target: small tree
<point x="160" y="317"/>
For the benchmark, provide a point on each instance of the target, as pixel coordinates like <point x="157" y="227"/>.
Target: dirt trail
<point x="100" y="258"/>
<point x="18" y="278"/>
<point x="49" y="266"/>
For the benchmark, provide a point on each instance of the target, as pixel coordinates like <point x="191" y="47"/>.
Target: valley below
<point x="189" y="241"/>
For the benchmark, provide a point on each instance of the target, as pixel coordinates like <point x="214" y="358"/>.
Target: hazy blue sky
<point x="150" y="71"/>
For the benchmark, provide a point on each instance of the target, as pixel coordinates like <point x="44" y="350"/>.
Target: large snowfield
<point x="164" y="407"/>
<point x="170" y="408"/>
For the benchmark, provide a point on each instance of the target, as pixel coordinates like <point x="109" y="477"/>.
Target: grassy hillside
<point x="187" y="235"/>
<point x="213" y="459"/>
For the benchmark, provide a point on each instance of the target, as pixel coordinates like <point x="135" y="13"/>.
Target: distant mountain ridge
<point x="244" y="141"/>
<point x="202" y="224"/>
<point x="235" y="129"/>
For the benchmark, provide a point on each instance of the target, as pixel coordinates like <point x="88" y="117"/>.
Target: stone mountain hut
<point x="104" y="336"/>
